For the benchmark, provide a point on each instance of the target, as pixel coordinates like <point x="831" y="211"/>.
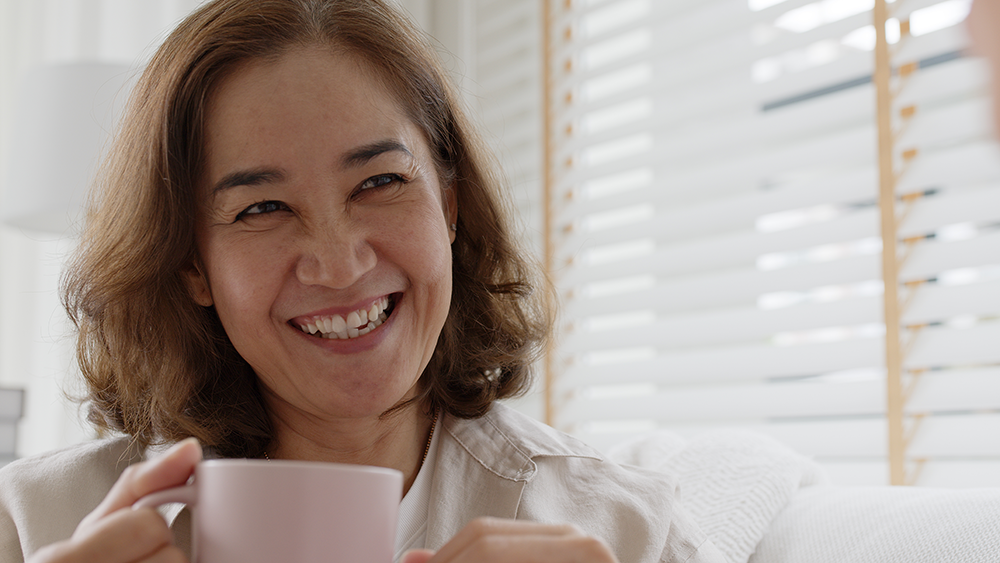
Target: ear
<point x="197" y="284"/>
<point x="451" y="208"/>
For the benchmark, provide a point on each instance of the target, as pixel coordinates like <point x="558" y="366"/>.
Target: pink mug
<point x="254" y="511"/>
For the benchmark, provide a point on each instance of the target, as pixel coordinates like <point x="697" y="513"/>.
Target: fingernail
<point x="185" y="443"/>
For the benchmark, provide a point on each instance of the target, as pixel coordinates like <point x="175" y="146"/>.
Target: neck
<point x="397" y="441"/>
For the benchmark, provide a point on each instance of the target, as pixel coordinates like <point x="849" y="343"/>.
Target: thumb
<point x="417" y="556"/>
<point x="170" y="470"/>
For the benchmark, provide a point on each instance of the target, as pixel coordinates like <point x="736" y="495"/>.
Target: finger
<point x="479" y="529"/>
<point x="505" y="548"/>
<point x="59" y="552"/>
<point x="172" y="469"/>
<point x="64" y="552"/>
<point x="123" y="536"/>
<point x="169" y="554"/>
<point x="417" y="556"/>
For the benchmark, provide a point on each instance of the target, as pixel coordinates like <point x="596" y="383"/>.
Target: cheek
<point x="240" y="282"/>
<point x="442" y="272"/>
<point x="422" y="252"/>
<point x="429" y="248"/>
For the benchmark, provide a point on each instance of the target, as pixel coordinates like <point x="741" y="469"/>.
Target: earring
<point x="453" y="227"/>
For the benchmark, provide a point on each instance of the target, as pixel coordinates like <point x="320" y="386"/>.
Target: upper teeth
<point x="357" y="323"/>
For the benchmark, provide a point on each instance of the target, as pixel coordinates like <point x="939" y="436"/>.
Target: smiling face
<point x="323" y="237"/>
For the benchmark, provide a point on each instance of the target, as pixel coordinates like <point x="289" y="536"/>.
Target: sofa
<point x="760" y="502"/>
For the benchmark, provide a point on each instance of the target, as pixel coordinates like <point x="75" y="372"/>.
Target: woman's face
<point x="323" y="235"/>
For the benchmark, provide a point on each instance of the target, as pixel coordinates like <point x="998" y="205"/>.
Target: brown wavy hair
<point x="158" y="366"/>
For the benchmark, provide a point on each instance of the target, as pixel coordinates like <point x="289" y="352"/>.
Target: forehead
<point x="313" y="96"/>
<point x="304" y="76"/>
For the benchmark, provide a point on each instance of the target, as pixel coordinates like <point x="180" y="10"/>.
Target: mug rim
<point x="294" y="463"/>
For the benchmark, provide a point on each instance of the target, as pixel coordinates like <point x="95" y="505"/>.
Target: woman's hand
<point x="115" y="532"/>
<point x="487" y="539"/>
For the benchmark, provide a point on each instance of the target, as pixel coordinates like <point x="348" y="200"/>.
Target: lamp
<point x="63" y="118"/>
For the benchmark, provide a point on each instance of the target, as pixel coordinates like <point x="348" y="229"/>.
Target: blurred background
<point x="702" y="180"/>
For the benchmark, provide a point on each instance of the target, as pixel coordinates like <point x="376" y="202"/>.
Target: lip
<point x="353" y="345"/>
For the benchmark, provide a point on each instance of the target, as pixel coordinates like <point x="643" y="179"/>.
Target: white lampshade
<point x="63" y="119"/>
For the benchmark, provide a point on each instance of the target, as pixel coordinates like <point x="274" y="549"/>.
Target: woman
<point x="299" y="252"/>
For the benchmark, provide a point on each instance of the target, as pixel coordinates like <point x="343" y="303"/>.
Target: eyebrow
<point x="247" y="178"/>
<point x="355" y="158"/>
<point x="363" y="154"/>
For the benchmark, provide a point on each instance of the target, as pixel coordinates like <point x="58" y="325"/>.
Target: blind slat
<point x="715" y="328"/>
<point x="937" y="303"/>
<point x="858" y="438"/>
<point x="939" y="346"/>
<point x="730" y="251"/>
<point x="946" y="393"/>
<point x="736" y="364"/>
<point x="928" y="304"/>
<point x="926" y="260"/>
<point x="947" y="126"/>
<point x="726" y="288"/>
<point x="737" y="212"/>
<point x="702" y="177"/>
<point x="929" y="258"/>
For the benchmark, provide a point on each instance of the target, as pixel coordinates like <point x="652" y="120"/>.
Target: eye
<point x="261" y="208"/>
<point x="380" y="181"/>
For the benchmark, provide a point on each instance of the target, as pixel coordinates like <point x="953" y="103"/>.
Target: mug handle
<point x="185" y="494"/>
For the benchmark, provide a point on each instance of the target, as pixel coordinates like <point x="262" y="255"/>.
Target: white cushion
<point x="884" y="524"/>
<point x="732" y="483"/>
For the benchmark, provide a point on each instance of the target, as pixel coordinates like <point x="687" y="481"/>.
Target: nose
<point x="334" y="256"/>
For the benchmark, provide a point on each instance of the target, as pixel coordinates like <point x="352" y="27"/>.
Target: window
<point x="716" y="229"/>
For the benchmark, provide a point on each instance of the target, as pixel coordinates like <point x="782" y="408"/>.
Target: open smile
<point x="355" y="324"/>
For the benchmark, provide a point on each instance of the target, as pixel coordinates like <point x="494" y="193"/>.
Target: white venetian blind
<point x="717" y="238"/>
<point x="494" y="48"/>
<point x="502" y="81"/>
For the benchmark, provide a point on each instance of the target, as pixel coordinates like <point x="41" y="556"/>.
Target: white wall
<point x="36" y="349"/>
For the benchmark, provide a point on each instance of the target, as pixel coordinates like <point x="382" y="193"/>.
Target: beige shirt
<point x="504" y="465"/>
